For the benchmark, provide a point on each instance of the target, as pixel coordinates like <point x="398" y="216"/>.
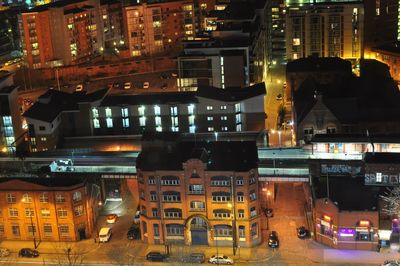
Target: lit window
<point x="96" y="123"/>
<point x="210" y="128"/>
<point x="124" y="112"/>
<point x="209" y="107"/>
<point x="192" y="129"/>
<point x="296" y="41"/>
<point x="210" y="118"/>
<point x="224" y="118"/>
<point x="157" y="120"/>
<point x="141" y="110"/>
<point x="378" y="177"/>
<point x="125" y="122"/>
<point x="108" y="112"/>
<point x="142" y="121"/>
<point x="174" y="110"/>
<point x="191" y="120"/>
<point x="237" y="108"/>
<point x="109" y="122"/>
<point x="95" y="112"/>
<point x="26" y="198"/>
<point x="191" y="109"/>
<point x="224" y="128"/>
<point x="77" y="196"/>
<point x="223" y="107"/>
<point x="157" y="110"/>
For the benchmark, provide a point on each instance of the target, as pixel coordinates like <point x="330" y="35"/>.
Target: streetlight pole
<point x="33" y="231"/>
<point x="233" y="216"/>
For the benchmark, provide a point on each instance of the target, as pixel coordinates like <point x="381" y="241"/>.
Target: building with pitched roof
<point x="59" y="114"/>
<point x="199" y="193"/>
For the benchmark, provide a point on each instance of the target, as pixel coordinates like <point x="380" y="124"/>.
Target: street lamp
<point x="216" y="136"/>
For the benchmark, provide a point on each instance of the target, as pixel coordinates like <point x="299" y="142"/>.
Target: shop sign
<point x="364" y="223"/>
<point x="347" y="232"/>
<point x="384" y="234"/>
<point x="325" y="223"/>
<point x="362" y="229"/>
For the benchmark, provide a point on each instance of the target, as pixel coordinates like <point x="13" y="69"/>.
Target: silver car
<point x="220" y="259"/>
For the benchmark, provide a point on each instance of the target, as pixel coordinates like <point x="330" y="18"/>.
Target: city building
<point x="346" y="104"/>
<point x="325" y="29"/>
<point x="46" y="209"/>
<point x="376" y="14"/>
<point x="199" y="193"/>
<point x="111" y="15"/>
<point x="389" y="54"/>
<point x="62" y="33"/>
<point x="10" y="119"/>
<point x="157" y="27"/>
<point x="58" y="114"/>
<point x="276" y="31"/>
<point x="345" y="213"/>
<point x="234" y="51"/>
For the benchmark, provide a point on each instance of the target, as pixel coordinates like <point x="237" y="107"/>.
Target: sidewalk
<point x="45" y="247"/>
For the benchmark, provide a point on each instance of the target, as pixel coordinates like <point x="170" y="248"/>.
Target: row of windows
<point x="215" y="181"/>
<point x="31" y="229"/>
<point x="45" y="212"/>
<point x="43" y="198"/>
<point x="157" y="110"/>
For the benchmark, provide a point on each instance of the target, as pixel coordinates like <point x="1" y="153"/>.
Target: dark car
<point x="155" y="256"/>
<point x="133" y="233"/>
<point x="195" y="258"/>
<point x="28" y="252"/>
<point x="273" y="241"/>
<point x="301" y="232"/>
<point x="269" y="212"/>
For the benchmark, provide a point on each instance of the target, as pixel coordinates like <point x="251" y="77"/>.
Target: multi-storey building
<point x="47" y="209"/>
<point x="234" y="54"/>
<point x="324" y="29"/>
<point x="61" y="33"/>
<point x="276" y="28"/>
<point x="158" y="26"/>
<point x="111" y="15"/>
<point x="10" y="118"/>
<point x="58" y="114"/>
<point x="199" y="193"/>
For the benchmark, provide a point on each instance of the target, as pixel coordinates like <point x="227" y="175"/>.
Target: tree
<point x="281" y="115"/>
<point x="67" y="256"/>
<point x="392" y="202"/>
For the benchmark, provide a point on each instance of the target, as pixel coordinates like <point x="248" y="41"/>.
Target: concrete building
<point x="277" y="27"/>
<point x="58" y="114"/>
<point x="46" y="209"/>
<point x="199" y="193"/>
<point x="389" y="54"/>
<point x="324" y="29"/>
<point x="62" y="33"/>
<point x="158" y="27"/>
<point x="10" y="118"/>
<point x="113" y="26"/>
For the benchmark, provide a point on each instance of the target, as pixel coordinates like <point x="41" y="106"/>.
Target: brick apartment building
<point x="158" y="26"/>
<point x="61" y="33"/>
<point x="47" y="209"/>
<point x="199" y="193"/>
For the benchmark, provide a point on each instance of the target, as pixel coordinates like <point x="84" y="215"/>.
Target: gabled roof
<point x="53" y="102"/>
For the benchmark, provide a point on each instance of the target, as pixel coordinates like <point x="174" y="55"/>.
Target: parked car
<point x="220" y="259"/>
<point x="146" y="85"/>
<point x="127" y="85"/>
<point x="136" y="219"/>
<point x="301" y="232"/>
<point x="79" y="88"/>
<point x="195" y="258"/>
<point x="273" y="241"/>
<point x="4" y="252"/>
<point x="269" y="212"/>
<point x="390" y="263"/>
<point x="28" y="253"/>
<point x="279" y="97"/>
<point x="155" y="256"/>
<point x="105" y="234"/>
<point x="111" y="218"/>
<point x="133" y="233"/>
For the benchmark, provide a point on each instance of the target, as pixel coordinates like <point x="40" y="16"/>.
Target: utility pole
<point x="233" y="216"/>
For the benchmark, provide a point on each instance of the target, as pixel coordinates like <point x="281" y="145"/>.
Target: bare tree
<point x="392" y="202"/>
<point x="67" y="256"/>
<point x="121" y="256"/>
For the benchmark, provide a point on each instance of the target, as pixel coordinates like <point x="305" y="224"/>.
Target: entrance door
<point x="82" y="234"/>
<point x="198" y="230"/>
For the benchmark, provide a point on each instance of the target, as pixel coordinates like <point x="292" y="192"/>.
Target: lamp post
<point x="233" y="216"/>
<point x="32" y="225"/>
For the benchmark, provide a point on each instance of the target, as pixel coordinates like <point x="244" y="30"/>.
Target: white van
<point x="104" y="234"/>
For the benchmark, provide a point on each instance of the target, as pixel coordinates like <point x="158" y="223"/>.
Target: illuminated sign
<point x="327" y="218"/>
<point x="325" y="223"/>
<point x="362" y="229"/>
<point x="347" y="232"/>
<point x="364" y="223"/>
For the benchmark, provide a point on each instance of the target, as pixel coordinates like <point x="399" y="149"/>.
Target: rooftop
<point x="36" y="183"/>
<point x="7" y="89"/>
<point x="56" y="4"/>
<point x="348" y="193"/>
<point x="219" y="156"/>
<point x="356" y="138"/>
<point x="382" y="157"/>
<point x="311" y="64"/>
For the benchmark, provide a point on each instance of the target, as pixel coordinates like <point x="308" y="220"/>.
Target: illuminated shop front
<point x="344" y="229"/>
